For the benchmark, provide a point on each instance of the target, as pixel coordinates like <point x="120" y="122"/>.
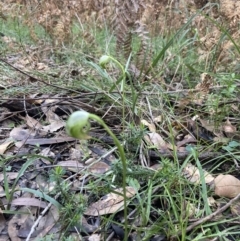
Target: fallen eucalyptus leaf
<point x="227" y="186"/>
<point x="109" y="203"/>
<point x="192" y="173"/>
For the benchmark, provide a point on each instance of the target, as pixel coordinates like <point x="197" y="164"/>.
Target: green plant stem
<point x="124" y="164"/>
<point x="122" y="84"/>
<point x="122" y="69"/>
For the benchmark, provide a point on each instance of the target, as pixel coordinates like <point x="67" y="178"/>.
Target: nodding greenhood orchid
<point x="105" y="59"/>
<point x="78" y="125"/>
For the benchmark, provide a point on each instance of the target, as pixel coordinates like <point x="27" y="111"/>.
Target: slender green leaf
<point x="43" y="195"/>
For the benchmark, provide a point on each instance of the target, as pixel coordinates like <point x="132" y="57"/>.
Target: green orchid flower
<point x="105" y="59"/>
<point x="78" y="125"/>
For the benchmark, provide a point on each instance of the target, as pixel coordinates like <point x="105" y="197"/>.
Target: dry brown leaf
<point x="199" y="131"/>
<point x="43" y="183"/>
<point x="223" y="140"/>
<point x="90" y="160"/>
<point x="150" y="126"/>
<point x="182" y="149"/>
<point x="229" y="129"/>
<point x="54" y="126"/>
<point x="94" y="237"/>
<point x="75" y="154"/>
<point x="187" y="139"/>
<point x="189" y="209"/>
<point x="23" y="201"/>
<point x="235" y="209"/>
<point x="235" y="108"/>
<point x="212" y="202"/>
<point x="32" y="123"/>
<point x="8" y="40"/>
<point x="10" y="176"/>
<point x="217" y="131"/>
<point x="227" y="186"/>
<point x="32" y="100"/>
<point x="74" y="166"/>
<point x="41" y="66"/>
<point x="208" y="125"/>
<point x="47" y="153"/>
<point x="55" y="121"/>
<point x="109" y="203"/>
<point x="25" y="228"/>
<point x="17" y="221"/>
<point x="5" y="145"/>
<point x="147" y="139"/>
<point x="158" y="119"/>
<point x="198" y="97"/>
<point x="157" y="141"/>
<point x="192" y="173"/>
<point x="23" y="62"/>
<point x="99" y="168"/>
<point x="19" y="134"/>
<point x="49" y="111"/>
<point x="47" y="222"/>
<point x="156" y="167"/>
<point x="182" y="103"/>
<point x="45" y="141"/>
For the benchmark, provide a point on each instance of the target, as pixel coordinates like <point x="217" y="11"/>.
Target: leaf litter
<point x="39" y="135"/>
<point x="42" y="137"/>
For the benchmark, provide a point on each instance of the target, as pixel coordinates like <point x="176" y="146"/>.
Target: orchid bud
<point x="78" y="125"/>
<point x="105" y="59"/>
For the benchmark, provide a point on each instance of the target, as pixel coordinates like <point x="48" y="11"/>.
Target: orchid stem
<point x="124" y="164"/>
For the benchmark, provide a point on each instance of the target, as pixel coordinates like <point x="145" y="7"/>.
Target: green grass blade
<point x="6" y="186"/>
<point x="42" y="195"/>
<point x="169" y="44"/>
